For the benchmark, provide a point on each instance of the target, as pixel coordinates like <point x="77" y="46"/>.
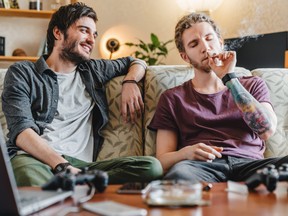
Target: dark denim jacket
<point x="31" y="92"/>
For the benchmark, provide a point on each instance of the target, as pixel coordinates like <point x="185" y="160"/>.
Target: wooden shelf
<point x="45" y="14"/>
<point x="18" y="58"/>
<point x="26" y="13"/>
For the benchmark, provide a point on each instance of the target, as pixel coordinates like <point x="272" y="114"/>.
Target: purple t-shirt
<point x="213" y="119"/>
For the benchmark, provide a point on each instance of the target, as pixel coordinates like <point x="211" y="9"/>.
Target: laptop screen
<point x="8" y="185"/>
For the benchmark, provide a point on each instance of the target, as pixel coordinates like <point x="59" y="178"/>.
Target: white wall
<point x="131" y="19"/>
<point x="250" y="17"/>
<point x="134" y="19"/>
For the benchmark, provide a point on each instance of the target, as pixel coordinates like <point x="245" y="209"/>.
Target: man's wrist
<point x="228" y="77"/>
<point x="129" y="81"/>
<point x="139" y="62"/>
<point x="61" y="167"/>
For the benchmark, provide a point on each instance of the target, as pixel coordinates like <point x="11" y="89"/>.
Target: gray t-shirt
<point x="70" y="132"/>
<point x="213" y="119"/>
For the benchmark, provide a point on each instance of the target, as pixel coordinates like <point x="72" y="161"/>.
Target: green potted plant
<point x="153" y="52"/>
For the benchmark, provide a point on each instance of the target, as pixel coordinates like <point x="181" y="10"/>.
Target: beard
<point x="70" y="53"/>
<point x="201" y="67"/>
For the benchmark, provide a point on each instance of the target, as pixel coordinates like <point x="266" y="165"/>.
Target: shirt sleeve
<point x="16" y="102"/>
<point x="258" y="89"/>
<point x="108" y="69"/>
<point x="165" y="114"/>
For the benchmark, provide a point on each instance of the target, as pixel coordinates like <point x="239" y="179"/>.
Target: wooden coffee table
<point x="223" y="203"/>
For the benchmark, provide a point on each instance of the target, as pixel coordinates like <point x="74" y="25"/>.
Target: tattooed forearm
<point x="254" y="114"/>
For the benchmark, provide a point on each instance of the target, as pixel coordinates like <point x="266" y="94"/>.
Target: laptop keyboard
<point x="27" y="197"/>
<point x="28" y="200"/>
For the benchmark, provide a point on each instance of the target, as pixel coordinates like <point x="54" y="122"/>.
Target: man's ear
<point x="185" y="57"/>
<point x="57" y="33"/>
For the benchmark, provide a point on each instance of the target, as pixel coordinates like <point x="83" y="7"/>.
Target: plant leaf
<point x="129" y="44"/>
<point x="163" y="49"/>
<point x="152" y="52"/>
<point x="144" y="47"/>
<point x="167" y="42"/>
<point x="155" y="40"/>
<point x="152" y="61"/>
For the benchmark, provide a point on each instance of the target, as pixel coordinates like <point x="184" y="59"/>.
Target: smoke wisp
<point x="236" y="43"/>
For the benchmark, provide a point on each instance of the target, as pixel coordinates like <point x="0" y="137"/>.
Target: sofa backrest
<point x="277" y="82"/>
<point x="135" y="139"/>
<point x="120" y="139"/>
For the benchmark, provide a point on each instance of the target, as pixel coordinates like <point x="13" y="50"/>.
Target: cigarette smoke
<point x="236" y="43"/>
<point x="250" y="25"/>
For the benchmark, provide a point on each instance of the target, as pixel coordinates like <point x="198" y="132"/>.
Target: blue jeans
<point x="221" y="169"/>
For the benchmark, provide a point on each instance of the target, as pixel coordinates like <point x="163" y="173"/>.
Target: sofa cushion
<point x="157" y="80"/>
<point x="119" y="139"/>
<point x="277" y="82"/>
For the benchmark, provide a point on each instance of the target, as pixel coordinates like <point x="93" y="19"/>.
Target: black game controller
<point x="269" y="176"/>
<point x="283" y="172"/>
<point x="67" y="181"/>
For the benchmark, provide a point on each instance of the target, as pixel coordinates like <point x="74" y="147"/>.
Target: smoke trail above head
<point x="251" y="24"/>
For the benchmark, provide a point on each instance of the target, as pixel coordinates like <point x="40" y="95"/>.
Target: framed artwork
<point x="2" y="45"/>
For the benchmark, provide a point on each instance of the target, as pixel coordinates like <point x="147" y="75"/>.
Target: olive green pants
<point x="29" y="171"/>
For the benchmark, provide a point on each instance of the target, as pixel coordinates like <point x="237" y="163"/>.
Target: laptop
<point x="16" y="201"/>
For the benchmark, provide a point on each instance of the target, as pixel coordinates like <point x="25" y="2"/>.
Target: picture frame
<point x="2" y="45"/>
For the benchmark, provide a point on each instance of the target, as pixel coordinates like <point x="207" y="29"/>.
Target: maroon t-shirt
<point x="213" y="119"/>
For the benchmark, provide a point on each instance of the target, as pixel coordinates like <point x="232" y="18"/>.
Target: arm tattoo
<point x="254" y="114"/>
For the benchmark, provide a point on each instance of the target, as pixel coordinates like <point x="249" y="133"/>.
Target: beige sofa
<point x="135" y="139"/>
